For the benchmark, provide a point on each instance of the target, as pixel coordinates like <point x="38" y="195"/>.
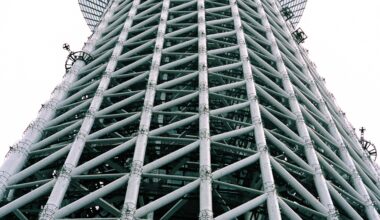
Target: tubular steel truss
<point x="190" y="109"/>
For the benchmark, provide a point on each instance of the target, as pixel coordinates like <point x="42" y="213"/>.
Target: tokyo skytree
<point x="190" y="109"/>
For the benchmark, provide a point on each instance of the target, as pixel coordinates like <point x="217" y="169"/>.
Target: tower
<point x="187" y="109"/>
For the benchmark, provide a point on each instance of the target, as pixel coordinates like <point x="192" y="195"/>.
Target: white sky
<point x="343" y="40"/>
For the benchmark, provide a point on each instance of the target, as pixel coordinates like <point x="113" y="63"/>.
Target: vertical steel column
<point x="347" y="159"/>
<point x="319" y="180"/>
<point x="131" y="196"/>
<point x="265" y="166"/>
<point x="63" y="180"/>
<point x="205" y="188"/>
<point x="18" y="154"/>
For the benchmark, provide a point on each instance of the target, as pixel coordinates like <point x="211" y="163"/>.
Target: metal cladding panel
<point x="180" y="109"/>
<point x="297" y="7"/>
<point x="92" y="11"/>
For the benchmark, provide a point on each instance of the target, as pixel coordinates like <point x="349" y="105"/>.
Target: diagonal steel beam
<point x="237" y="211"/>
<point x="298" y="187"/>
<point x="288" y="211"/>
<point x="266" y="171"/>
<point x="16" y="158"/>
<point x="129" y="206"/>
<point x="64" y="178"/>
<point x="347" y="159"/>
<point x="319" y="180"/>
<point x="178" y="193"/>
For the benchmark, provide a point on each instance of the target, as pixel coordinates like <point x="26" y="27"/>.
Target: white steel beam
<point x="319" y="180"/>
<point x="178" y="193"/>
<point x="245" y="207"/>
<point x="205" y="188"/>
<point x="72" y="159"/>
<point x="265" y="166"/>
<point x="344" y="154"/>
<point x="238" y="75"/>
<point x="17" y="156"/>
<point x="129" y="206"/>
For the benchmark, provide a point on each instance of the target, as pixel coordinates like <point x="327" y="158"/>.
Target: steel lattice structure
<point x="93" y="10"/>
<point x="190" y="109"/>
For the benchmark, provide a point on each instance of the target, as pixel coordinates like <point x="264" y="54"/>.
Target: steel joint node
<point x="205" y="173"/>
<point x="204" y="134"/>
<point x="203" y="86"/>
<point x="285" y="76"/>
<point x="136" y="168"/>
<point x="143" y="131"/>
<point x="48" y="212"/>
<point x="16" y="149"/>
<point x="252" y="97"/>
<point x="206" y="214"/>
<point x="90" y="114"/>
<point x="317" y="169"/>
<point x="299" y="117"/>
<point x="152" y="84"/>
<point x="128" y="211"/>
<point x="65" y="171"/>
<point x="332" y="212"/>
<point x="81" y="136"/>
<point x="269" y="187"/>
<point x="262" y="147"/>
<point x="148" y="108"/>
<point x="107" y="75"/>
<point x="204" y="109"/>
<point x="50" y="105"/>
<point x="256" y="121"/>
<point x="100" y="92"/>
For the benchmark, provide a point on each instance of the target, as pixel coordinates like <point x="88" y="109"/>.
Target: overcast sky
<point x="343" y="40"/>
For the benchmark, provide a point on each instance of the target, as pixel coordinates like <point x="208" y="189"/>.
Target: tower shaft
<point x="190" y="109"/>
